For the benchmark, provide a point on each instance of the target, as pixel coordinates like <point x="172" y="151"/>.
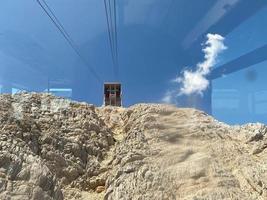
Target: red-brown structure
<point x="112" y="94"/>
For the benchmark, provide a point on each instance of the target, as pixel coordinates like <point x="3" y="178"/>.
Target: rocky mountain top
<point x="53" y="148"/>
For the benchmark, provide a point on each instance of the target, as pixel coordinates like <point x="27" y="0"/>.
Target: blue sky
<point x="156" y="40"/>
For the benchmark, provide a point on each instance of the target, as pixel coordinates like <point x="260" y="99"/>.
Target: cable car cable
<point x="116" y="35"/>
<point x="109" y="31"/>
<point x="111" y="24"/>
<point x="65" y="35"/>
<point x="56" y="19"/>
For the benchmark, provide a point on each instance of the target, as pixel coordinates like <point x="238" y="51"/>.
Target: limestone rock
<point x="53" y="148"/>
<point x="47" y="143"/>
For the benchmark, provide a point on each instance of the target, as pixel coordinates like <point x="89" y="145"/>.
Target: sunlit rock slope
<point x="52" y="148"/>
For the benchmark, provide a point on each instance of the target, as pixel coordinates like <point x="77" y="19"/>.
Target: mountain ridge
<point x="53" y="148"/>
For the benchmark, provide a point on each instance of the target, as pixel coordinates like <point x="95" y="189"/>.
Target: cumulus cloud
<point x="195" y="82"/>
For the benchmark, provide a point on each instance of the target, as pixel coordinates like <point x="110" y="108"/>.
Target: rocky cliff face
<point x="52" y="148"/>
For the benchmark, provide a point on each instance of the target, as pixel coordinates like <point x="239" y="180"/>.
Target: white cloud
<point x="168" y="97"/>
<point x="195" y="82"/>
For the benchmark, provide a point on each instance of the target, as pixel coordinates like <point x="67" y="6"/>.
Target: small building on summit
<point x="112" y="94"/>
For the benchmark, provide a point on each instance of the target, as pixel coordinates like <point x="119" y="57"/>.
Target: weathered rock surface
<point x="52" y="148"/>
<point x="47" y="144"/>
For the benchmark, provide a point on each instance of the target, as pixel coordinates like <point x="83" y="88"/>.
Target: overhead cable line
<point x="113" y="24"/>
<point x="115" y="34"/>
<point x="109" y="24"/>
<point x="111" y="18"/>
<point x="65" y="34"/>
<point x="113" y="13"/>
<point x="56" y="19"/>
<point x="115" y="30"/>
